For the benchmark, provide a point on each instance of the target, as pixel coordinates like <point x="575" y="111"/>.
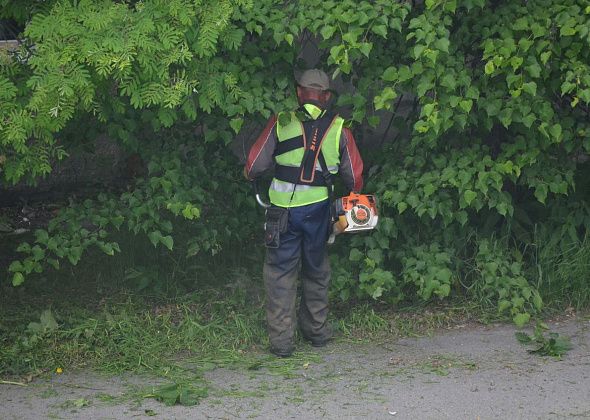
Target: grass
<point x="563" y="270"/>
<point x="440" y="364"/>
<point x="109" y="328"/>
<point x="189" y="319"/>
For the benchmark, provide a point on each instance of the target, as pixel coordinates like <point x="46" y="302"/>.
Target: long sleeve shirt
<point x="260" y="158"/>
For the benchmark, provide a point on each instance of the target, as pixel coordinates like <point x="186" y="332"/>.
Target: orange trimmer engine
<point x="355" y="213"/>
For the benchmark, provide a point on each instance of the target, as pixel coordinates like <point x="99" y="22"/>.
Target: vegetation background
<point x="483" y="180"/>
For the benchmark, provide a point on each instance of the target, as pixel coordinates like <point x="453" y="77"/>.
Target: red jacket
<point x="261" y="157"/>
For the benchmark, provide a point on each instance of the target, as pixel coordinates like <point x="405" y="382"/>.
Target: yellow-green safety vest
<point x="287" y="194"/>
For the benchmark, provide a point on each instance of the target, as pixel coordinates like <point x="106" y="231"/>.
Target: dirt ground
<point x="470" y="372"/>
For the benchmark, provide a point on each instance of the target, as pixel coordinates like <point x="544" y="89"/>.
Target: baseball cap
<point x="314" y="79"/>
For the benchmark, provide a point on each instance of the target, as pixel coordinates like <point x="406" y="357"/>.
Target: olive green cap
<point x="314" y="79"/>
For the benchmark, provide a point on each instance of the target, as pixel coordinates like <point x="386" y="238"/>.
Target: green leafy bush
<point x="491" y="146"/>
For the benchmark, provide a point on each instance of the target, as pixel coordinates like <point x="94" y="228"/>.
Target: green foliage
<point x="489" y="139"/>
<point x="501" y="279"/>
<point x="563" y="268"/>
<point x="191" y="198"/>
<point x="490" y="148"/>
<point x="429" y="270"/>
<point x="553" y="345"/>
<point x="183" y="394"/>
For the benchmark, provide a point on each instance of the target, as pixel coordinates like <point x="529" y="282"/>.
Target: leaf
<point x="567" y="87"/>
<point x="450" y="5"/>
<point x="503" y="305"/>
<point x="154" y="237"/>
<point x="520" y="24"/>
<point x="522" y="338"/>
<point x="327" y="31"/>
<point x="236" y="124"/>
<point x="529" y="120"/>
<point x="284" y="118"/>
<point x="380" y="30"/>
<point x="289" y="39"/>
<point x="15" y="266"/>
<point x="448" y="80"/>
<point x="461" y="217"/>
<point x="355" y="255"/>
<point x="38" y="253"/>
<point x="74" y="254"/>
<point x="516" y="62"/>
<point x="418" y="50"/>
<point x="442" y="44"/>
<point x="555" y="132"/>
<point x="466" y="105"/>
<point x="521" y="319"/>
<point x="429" y="189"/>
<point x="530" y="88"/>
<point x="167" y="241"/>
<point x="390" y="74"/>
<point x="395" y="23"/>
<point x="489" y="67"/>
<point x="541" y="192"/>
<point x="404" y="73"/>
<point x="18" y="279"/>
<point x="534" y="70"/>
<point x="469" y="196"/>
<point x="537" y="301"/>
<point x="505" y="117"/>
<point x="545" y="57"/>
<point x="174" y="393"/>
<point x="472" y="93"/>
<point x="365" y="48"/>
<point x="428" y="109"/>
<point x="567" y="31"/>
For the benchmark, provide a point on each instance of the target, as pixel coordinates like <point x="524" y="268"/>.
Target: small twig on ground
<point x="13" y="383"/>
<point x="82" y="387"/>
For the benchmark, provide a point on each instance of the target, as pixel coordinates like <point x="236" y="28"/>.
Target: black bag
<point x="276" y="223"/>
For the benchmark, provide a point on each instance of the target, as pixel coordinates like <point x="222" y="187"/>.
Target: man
<point x="306" y="148"/>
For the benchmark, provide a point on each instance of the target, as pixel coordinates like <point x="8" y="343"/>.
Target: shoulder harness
<point x="314" y="133"/>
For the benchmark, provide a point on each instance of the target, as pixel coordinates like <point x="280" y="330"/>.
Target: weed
<point x="175" y="393"/>
<point x="552" y="345"/>
<point x="77" y="403"/>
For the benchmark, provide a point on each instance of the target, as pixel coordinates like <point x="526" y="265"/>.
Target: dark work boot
<point x="286" y="351"/>
<point x="320" y="340"/>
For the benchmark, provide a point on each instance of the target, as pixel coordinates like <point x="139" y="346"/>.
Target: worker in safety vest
<point x="307" y="147"/>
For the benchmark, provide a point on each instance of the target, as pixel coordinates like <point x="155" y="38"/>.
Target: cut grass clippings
<point x="176" y="339"/>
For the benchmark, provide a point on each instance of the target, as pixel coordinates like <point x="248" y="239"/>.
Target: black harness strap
<point x="288" y="145"/>
<point x="314" y="134"/>
<point x="291" y="174"/>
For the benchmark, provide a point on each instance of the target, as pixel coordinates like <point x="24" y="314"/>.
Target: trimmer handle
<point x="259" y="199"/>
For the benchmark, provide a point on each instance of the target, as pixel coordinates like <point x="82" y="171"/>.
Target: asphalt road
<point x="470" y="372"/>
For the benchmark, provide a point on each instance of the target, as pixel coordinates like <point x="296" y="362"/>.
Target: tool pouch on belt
<point x="276" y="223"/>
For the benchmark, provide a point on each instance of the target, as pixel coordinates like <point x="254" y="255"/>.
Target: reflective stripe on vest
<point x="280" y="192"/>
